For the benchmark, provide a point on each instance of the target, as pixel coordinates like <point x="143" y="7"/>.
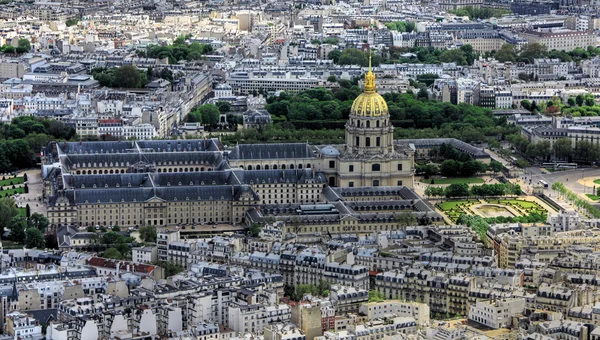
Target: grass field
<point x="454" y="180"/>
<point x="22" y="212"/>
<point x="449" y="205"/>
<point x="11" y="192"/>
<point x="597" y="181"/>
<point x="592" y="197"/>
<point x="15" y="181"/>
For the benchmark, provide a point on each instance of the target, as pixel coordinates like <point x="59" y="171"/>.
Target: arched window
<point x="249" y="167"/>
<point x="376" y="167"/>
<point x="267" y="167"/>
<point x="258" y="167"/>
<point x="368" y="124"/>
<point x="376" y="183"/>
<point x="274" y="166"/>
<point x="367" y="141"/>
<point x="377" y="123"/>
<point x="291" y="166"/>
<point x="378" y="141"/>
<point x="282" y="166"/>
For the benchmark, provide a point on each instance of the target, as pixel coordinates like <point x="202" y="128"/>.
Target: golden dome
<point x="369" y="103"/>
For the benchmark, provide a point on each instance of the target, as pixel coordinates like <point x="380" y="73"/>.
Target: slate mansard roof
<point x="271" y="151"/>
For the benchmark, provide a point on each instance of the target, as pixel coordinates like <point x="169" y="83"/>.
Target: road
<point x="569" y="178"/>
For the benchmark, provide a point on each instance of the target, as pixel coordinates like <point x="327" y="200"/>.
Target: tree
<point x="454" y="56"/>
<point x="8" y="210"/>
<point x="332" y="79"/>
<point x="27" y="211"/>
<point x="571" y="101"/>
<point x="112" y="253"/>
<point x="457" y="190"/>
<point x="563" y="148"/>
<point x="406" y="219"/>
<point x="17" y="227"/>
<point x="24" y="46"/>
<point x="209" y="113"/>
<point x="127" y="76"/>
<point x="506" y="53"/>
<point x="111" y="238"/>
<point x="166" y="74"/>
<point x="423" y="94"/>
<point x="24" y="177"/>
<point x="450" y="167"/>
<point x="254" y="230"/>
<point x="526" y="104"/>
<point x="303" y="289"/>
<point x="496" y="166"/>
<point x="34" y="238"/>
<point x="427" y="78"/>
<point x="116" y="228"/>
<point x="8" y="49"/>
<point x="532" y="51"/>
<point x="39" y="221"/>
<point x="90" y="229"/>
<point x="376" y="296"/>
<point x="71" y="22"/>
<point x="223" y="106"/>
<point x="148" y="233"/>
<point x="171" y="268"/>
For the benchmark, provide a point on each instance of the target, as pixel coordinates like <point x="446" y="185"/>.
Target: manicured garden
<point x="11" y="192"/>
<point x="11" y="181"/>
<point x="530" y="212"/>
<point x="597" y="181"/>
<point x="453" y="180"/>
<point x="592" y="197"/>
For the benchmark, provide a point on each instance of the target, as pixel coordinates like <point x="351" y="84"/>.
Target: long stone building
<point x="199" y="182"/>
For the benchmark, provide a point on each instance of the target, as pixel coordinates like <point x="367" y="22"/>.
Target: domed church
<point x="369" y="157"/>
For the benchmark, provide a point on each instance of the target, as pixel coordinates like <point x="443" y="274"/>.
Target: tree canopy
<point x="126" y="76"/>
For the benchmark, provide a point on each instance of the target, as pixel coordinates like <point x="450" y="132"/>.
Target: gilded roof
<point x="369" y="103"/>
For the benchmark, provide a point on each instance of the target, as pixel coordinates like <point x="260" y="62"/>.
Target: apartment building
<point x="560" y="39"/>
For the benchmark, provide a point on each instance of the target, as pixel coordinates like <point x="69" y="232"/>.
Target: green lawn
<point x="454" y="180"/>
<point x="449" y="205"/>
<point x="592" y="197"/>
<point x="10" y="192"/>
<point x="6" y="244"/>
<point x="597" y="181"/>
<point x="15" y="181"/>
<point x="22" y="212"/>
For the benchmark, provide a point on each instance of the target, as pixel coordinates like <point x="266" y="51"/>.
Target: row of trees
<point x="463" y="190"/>
<point x="23" y="46"/>
<point x="480" y="13"/>
<point x="179" y="50"/>
<point x="28" y="231"/>
<point x="353" y="56"/>
<point x="576" y="200"/>
<point x="22" y="140"/>
<point x="402" y="26"/>
<point x="323" y="109"/>
<point x="562" y="149"/>
<point x="320" y="289"/>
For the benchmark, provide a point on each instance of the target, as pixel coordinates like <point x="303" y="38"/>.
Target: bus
<point x="544" y="183"/>
<point x="566" y="165"/>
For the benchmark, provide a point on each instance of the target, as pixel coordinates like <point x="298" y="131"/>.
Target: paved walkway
<point x="34" y="196"/>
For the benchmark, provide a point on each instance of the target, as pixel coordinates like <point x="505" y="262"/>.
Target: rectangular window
<point x="351" y="184"/>
<point x="331" y="164"/>
<point x="399" y="167"/>
<point x="350" y="168"/>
